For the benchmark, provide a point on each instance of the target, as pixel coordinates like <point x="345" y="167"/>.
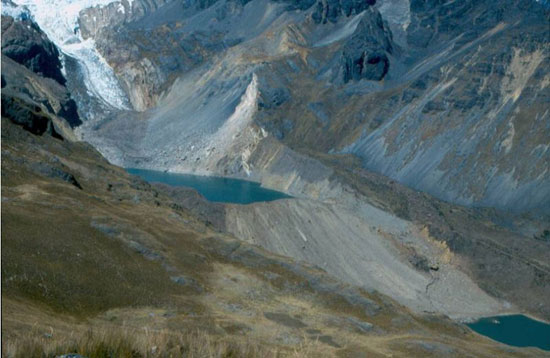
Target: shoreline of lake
<point x="213" y="188"/>
<point x="505" y="329"/>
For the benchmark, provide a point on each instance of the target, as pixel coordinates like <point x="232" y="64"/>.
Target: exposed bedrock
<point x="364" y="55"/>
<point x="470" y="126"/>
<point x="171" y="38"/>
<point x="33" y="91"/>
<point x="25" y="43"/>
<point x="465" y="120"/>
<point x="137" y="75"/>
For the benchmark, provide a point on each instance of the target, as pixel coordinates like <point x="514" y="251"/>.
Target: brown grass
<point x="71" y="283"/>
<point x="132" y="343"/>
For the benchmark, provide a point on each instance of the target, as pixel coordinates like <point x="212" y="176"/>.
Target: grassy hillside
<point x="99" y="263"/>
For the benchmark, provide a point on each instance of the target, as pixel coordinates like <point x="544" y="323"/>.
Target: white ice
<point x="59" y="21"/>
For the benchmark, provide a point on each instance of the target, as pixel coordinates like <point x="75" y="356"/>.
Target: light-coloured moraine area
<point x="365" y="247"/>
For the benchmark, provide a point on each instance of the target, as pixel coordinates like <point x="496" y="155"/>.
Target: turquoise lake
<point x="216" y="189"/>
<point x="515" y="330"/>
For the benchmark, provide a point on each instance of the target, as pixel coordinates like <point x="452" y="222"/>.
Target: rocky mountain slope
<point x="343" y="105"/>
<point x="96" y="261"/>
<point x="261" y="90"/>
<point x="33" y="91"/>
<point x="411" y="88"/>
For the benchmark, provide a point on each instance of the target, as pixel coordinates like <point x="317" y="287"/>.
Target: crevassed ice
<point x="59" y="21"/>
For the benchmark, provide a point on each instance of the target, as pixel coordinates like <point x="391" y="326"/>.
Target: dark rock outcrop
<point x="33" y="91"/>
<point x="364" y="55"/>
<point x="40" y="105"/>
<point x="54" y="172"/>
<point x="25" y="43"/>
<point x="371" y="66"/>
<point x="29" y="116"/>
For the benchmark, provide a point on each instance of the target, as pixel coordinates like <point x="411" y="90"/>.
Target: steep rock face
<point x="164" y="42"/>
<point x="58" y="19"/>
<point x="139" y="79"/>
<point x="461" y="112"/>
<point x="41" y="105"/>
<point x="28" y="116"/>
<point x="471" y="115"/>
<point x="23" y="42"/>
<point x="194" y="64"/>
<point x="364" y="56"/>
<point x="173" y="38"/>
<point x="32" y="92"/>
<point x="435" y="21"/>
<point x="93" y="20"/>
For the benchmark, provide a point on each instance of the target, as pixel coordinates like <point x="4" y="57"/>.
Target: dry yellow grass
<point x="136" y="343"/>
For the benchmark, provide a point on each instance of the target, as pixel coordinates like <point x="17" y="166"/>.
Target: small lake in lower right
<point x="514" y="330"/>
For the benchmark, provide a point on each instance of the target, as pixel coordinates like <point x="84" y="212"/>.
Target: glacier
<point x="58" y="19"/>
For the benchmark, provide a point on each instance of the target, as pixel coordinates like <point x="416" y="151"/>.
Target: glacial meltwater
<point x="213" y="188"/>
<point x="515" y="330"/>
